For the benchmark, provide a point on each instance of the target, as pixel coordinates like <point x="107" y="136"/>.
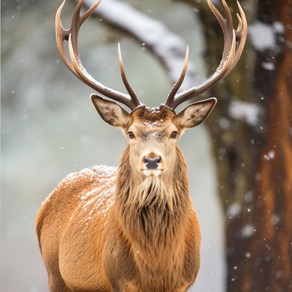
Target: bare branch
<point x="167" y="46"/>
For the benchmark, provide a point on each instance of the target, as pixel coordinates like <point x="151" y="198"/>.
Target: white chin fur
<point x="152" y="172"/>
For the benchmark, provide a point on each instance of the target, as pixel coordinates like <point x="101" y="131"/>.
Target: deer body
<point x="121" y="253"/>
<point x="108" y="229"/>
<point x="132" y="228"/>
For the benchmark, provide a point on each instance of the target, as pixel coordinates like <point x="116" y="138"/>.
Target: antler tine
<point x="77" y="21"/>
<point x="241" y="33"/>
<point x="179" y="82"/>
<point x="61" y="35"/>
<point x="125" y="80"/>
<point x="74" y="63"/>
<point x="231" y="52"/>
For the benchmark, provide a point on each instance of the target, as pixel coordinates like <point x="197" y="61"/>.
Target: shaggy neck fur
<point x="152" y="208"/>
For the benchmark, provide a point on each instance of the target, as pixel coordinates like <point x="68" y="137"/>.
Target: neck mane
<point x="152" y="208"/>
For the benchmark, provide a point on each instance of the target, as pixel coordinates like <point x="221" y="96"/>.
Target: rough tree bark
<point x="271" y="246"/>
<point x="254" y="156"/>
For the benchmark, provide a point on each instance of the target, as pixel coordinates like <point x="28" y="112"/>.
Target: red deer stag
<point x="132" y="228"/>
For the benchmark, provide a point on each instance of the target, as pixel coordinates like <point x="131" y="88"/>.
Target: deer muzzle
<point x="152" y="164"/>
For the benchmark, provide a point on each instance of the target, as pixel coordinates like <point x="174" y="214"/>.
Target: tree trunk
<point x="270" y="264"/>
<point x="254" y="154"/>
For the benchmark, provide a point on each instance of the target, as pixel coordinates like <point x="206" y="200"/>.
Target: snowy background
<point x="49" y="127"/>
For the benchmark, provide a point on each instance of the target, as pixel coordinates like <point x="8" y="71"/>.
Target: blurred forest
<point x="240" y="161"/>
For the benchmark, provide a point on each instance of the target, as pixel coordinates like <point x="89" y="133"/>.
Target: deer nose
<point x="152" y="163"/>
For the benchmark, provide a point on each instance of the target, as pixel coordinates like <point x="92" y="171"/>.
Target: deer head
<point x="152" y="132"/>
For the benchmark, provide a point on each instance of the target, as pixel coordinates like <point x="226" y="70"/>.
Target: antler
<point x="230" y="57"/>
<point x="74" y="62"/>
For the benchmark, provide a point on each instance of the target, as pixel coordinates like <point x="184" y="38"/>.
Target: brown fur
<point x="106" y="230"/>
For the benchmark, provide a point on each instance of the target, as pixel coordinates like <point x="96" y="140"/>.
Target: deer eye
<point x="131" y="135"/>
<point x="173" y="135"/>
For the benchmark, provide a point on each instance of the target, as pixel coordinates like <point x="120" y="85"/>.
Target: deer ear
<point x="110" y="111"/>
<point x="195" y="113"/>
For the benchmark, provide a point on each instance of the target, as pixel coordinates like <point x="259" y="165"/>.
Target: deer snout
<point x="152" y="163"/>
